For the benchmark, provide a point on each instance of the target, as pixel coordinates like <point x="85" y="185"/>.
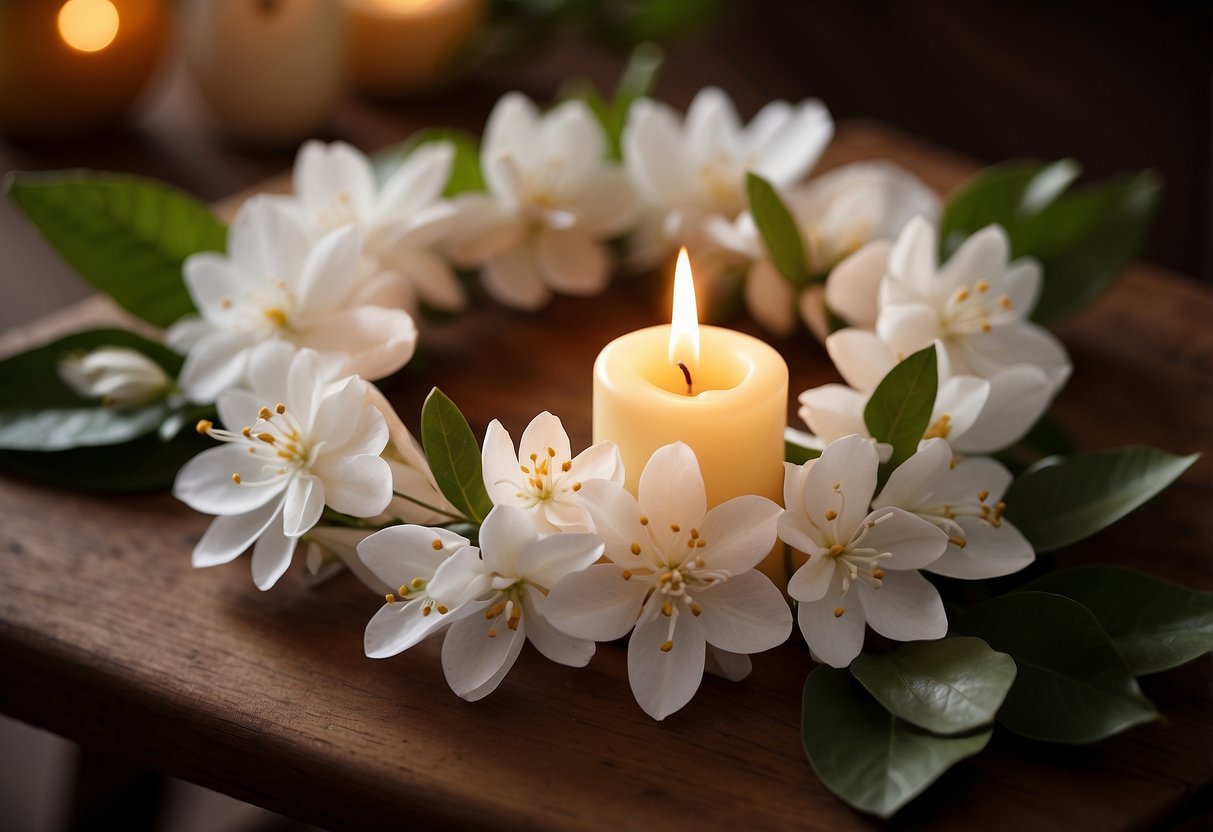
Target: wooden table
<point x="108" y="637"/>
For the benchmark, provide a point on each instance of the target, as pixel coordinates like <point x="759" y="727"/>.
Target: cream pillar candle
<point x="733" y="417"/>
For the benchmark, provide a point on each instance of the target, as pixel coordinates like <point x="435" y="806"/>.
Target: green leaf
<point x="799" y="454"/>
<point x="143" y="464"/>
<point x="125" y="235"/>
<point x="38" y="412"/>
<point x="779" y="230"/>
<point x="454" y="456"/>
<point x="899" y="411"/>
<point x="947" y="687"/>
<point x="466" y="174"/>
<point x="869" y="758"/>
<point x="1071" y="684"/>
<point x="1154" y="624"/>
<point x="1083" y="238"/>
<point x="1061" y="500"/>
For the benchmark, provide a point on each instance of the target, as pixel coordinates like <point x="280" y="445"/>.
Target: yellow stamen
<point x="442" y="610"/>
<point x="425" y="611"/>
<point x="836" y="549"/>
<point x="644" y="521"/>
<point x="957" y="541"/>
<point x="236" y="479"/>
<point x="276" y="316"/>
<point x="264" y="414"/>
<point x="515" y="617"/>
<point x="984" y="495"/>
<point x="576" y="486"/>
<point x="566" y="465"/>
<point x="838" y="611"/>
<point x="495" y="610"/>
<point x="694" y="534"/>
<point x="667" y="609"/>
<point x="280" y="408"/>
<point x="437" y="544"/>
<point x="831" y="514"/>
<point x="627" y="574"/>
<point x="982" y="286"/>
<point x="525" y="470"/>
<point x="417" y="583"/>
<point x="551" y="452"/>
<point x="246" y="432"/>
<point x="635" y="548"/>
<point x="668" y="646"/>
<point x="878" y="573"/>
<point x="696" y="609"/>
<point x="389" y="598"/>
<point x="674" y="527"/>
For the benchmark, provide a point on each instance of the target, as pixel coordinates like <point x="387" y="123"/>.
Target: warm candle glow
<point x="88" y="25"/>
<point x="684" y="322"/>
<point x="408" y="5"/>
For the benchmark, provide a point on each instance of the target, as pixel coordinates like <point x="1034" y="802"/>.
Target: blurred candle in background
<point x="270" y="70"/>
<point x="69" y="67"/>
<point x="403" y="47"/>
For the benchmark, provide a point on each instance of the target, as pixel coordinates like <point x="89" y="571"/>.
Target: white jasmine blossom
<point x="692" y="172"/>
<point x="682" y="576"/>
<point x="293" y="444"/>
<point x="964" y="499"/>
<point x="838" y="213"/>
<point x="278" y="284"/>
<point x="975" y="415"/>
<point x="492" y="596"/>
<point x="403" y="560"/>
<point x="552" y="202"/>
<point x="862" y="565"/>
<point x="400" y="223"/>
<point x="119" y="376"/>
<point x="543" y="477"/>
<point x="976" y="306"/>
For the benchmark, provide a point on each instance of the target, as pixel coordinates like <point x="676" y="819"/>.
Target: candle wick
<point x="686" y="373"/>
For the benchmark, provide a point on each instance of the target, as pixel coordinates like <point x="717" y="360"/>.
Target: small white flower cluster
<point x="567" y="557"/>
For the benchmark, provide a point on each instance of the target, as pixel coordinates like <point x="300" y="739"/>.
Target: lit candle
<point x="68" y="67"/>
<point x="397" y="47"/>
<point x="724" y="393"/>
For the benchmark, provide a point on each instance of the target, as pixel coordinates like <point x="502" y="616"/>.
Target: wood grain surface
<point x="107" y="636"/>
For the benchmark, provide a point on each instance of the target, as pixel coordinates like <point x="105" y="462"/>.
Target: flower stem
<point x="429" y="507"/>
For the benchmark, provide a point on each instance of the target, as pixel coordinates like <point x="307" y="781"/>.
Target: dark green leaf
<point x="779" y="230"/>
<point x="1082" y="238"/>
<point x="125" y="235"/>
<point x="869" y="758"/>
<point x="1071" y="685"/>
<point x="144" y="464"/>
<point x="38" y="412"/>
<point x="454" y="456"/>
<point x="1155" y="624"/>
<point x="947" y="687"/>
<point x="798" y="454"/>
<point x="899" y="411"/>
<point x="465" y="168"/>
<point x="1064" y="499"/>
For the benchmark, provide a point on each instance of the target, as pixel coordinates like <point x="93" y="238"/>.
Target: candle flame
<point x="88" y="25"/>
<point x="684" y="329"/>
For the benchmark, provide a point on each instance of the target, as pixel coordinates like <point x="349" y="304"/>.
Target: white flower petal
<point x="505" y="534"/>
<point x="398" y="554"/>
<point x="853" y="286"/>
<point x="812" y="580"/>
<point x="572" y="262"/>
<point x="513" y="279"/>
<point x="471" y="658"/>
<point x="1018" y="397"/>
<point x="365" y="340"/>
<point x="914" y="542"/>
<point x="570" y="133"/>
<point x="305" y="385"/>
<point x="607" y="205"/>
<point x="213" y="283"/>
<point x="616" y="518"/>
<point x="596" y="603"/>
<point x="988" y="552"/>
<point x="271" y="556"/>
<point x="330" y="179"/>
<point x="269" y="364"/>
<point x="544" y="562"/>
<point x="460" y="579"/>
<point x="833" y="411"/>
<point x="739" y="533"/>
<point x="432" y="279"/>
<point x="303" y="505"/>
<point x="744" y="614"/>
<point x="481" y="230"/>
<point x="397" y="627"/>
<point x="229" y="536"/>
<point x="982" y="256"/>
<point x="905" y="608"/>
<point x="833" y="639"/>
<point x="769" y="298"/>
<point x="217" y="362"/>
<point x="1021" y="343"/>
<point x="544" y="432"/>
<point x="600" y="461"/>
<point x="205" y="483"/>
<point x="850" y="463"/>
<point x="500" y="465"/>
<point x="671" y="489"/>
<point x="238" y="408"/>
<point x="418" y="181"/>
<point x="360" y="486"/>
<point x="664" y="681"/>
<point x="788" y="153"/>
<point x="326" y="278"/>
<point x="860" y="357"/>
<point x="265" y="240"/>
<point x="907" y="328"/>
<point x="913" y="259"/>
<point x="971" y="476"/>
<point x="512" y="131"/>
<point x="1022" y="281"/>
<point x="913" y="484"/>
<point x="557" y="646"/>
<point x="655" y="154"/>
<point x="713" y="128"/>
<point x="961" y="399"/>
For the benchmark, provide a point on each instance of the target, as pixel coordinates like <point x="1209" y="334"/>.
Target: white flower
<point x="121" y="377"/>
<point x="976" y="306"/>
<point x="681" y="575"/>
<point x="544" y="477"/>
<point x="964" y="499"/>
<point x="975" y="415"/>
<point x="403" y="559"/>
<point x="304" y="444"/>
<point x="493" y="597"/>
<point x="400" y="223"/>
<point x="276" y="284"/>
<point x="861" y="566"/>
<point x="552" y="201"/>
<point x="691" y="172"/>
<point x="838" y="213"/>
